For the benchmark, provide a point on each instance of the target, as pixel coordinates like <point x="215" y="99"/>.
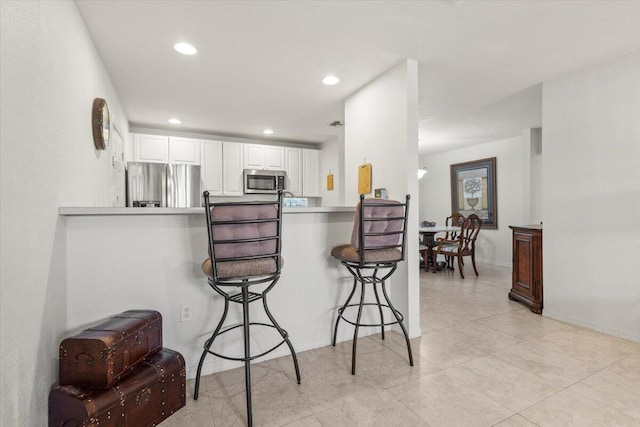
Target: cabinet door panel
<point x="310" y="167"/>
<point x="151" y="148"/>
<point x="212" y="167"/>
<point x="523" y="271"/>
<point x="294" y="170"/>
<point x="232" y="153"/>
<point x="253" y="156"/>
<point x="184" y="151"/>
<point x="274" y="158"/>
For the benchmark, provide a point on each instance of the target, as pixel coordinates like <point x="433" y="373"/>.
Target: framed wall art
<point x="473" y="190"/>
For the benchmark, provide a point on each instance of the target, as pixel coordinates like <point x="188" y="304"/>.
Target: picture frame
<point x="473" y="190"/>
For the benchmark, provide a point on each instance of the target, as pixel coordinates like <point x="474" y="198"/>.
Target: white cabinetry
<point x="151" y="148"/>
<point x="310" y="173"/>
<point x="302" y="172"/>
<point x="211" y="167"/>
<point x="184" y="151"/>
<point x="232" y="155"/>
<point x="164" y="149"/>
<point x="221" y="168"/>
<point x="294" y="170"/>
<point x="264" y="157"/>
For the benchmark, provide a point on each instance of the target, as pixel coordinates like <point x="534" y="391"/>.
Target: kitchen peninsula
<point x="127" y="258"/>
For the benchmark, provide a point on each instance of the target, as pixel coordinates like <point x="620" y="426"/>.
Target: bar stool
<point x="244" y="245"/>
<point x="377" y="246"/>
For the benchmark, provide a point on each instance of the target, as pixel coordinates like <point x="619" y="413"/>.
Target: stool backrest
<point x="384" y="225"/>
<point x="240" y="231"/>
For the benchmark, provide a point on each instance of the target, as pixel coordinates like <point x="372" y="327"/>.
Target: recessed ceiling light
<point x="267" y="132"/>
<point x="331" y="80"/>
<point x="175" y="121"/>
<point x="185" y="48"/>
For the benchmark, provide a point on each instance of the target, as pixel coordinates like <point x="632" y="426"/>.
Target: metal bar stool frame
<point x="359" y="270"/>
<point x="244" y="297"/>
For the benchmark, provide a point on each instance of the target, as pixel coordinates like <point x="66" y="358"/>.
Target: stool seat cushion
<point x="242" y="268"/>
<point x="349" y="253"/>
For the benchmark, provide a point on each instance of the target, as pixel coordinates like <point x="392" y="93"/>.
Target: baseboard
<point x="493" y="262"/>
<point x="625" y="335"/>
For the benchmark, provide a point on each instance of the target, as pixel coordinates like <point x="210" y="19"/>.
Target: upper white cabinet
<point x="150" y="148"/>
<point x="232" y="158"/>
<point x="221" y="168"/>
<point x="211" y="167"/>
<point x="310" y="170"/>
<point x="302" y="172"/>
<point x="294" y="170"/>
<point x="184" y="151"/>
<point x="164" y="149"/>
<point x="264" y="157"/>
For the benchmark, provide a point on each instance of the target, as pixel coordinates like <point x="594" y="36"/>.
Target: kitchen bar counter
<point x="94" y="211"/>
<point x="150" y="258"/>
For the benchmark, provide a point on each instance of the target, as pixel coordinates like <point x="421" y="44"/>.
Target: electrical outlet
<point x="186" y="313"/>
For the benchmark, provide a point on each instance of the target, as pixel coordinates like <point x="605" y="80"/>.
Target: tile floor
<point x="482" y="360"/>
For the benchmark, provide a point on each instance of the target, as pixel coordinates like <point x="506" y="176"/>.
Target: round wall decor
<point x="100" y="123"/>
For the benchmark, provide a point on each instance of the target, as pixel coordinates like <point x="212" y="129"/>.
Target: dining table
<point x="428" y="235"/>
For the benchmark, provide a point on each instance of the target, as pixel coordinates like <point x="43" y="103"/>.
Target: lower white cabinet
<point x="302" y="171"/>
<point x="221" y="168"/>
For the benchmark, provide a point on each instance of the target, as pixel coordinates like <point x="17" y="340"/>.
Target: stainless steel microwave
<point x="258" y="181"/>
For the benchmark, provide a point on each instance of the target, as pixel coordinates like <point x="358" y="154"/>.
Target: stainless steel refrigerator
<point x="160" y="185"/>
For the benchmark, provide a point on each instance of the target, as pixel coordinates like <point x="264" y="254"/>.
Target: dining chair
<point x="454" y="220"/>
<point x="464" y="244"/>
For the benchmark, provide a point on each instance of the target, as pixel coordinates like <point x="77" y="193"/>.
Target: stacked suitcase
<point x="118" y="374"/>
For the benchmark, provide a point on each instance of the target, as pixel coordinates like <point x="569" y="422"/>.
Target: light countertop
<point x="102" y="211"/>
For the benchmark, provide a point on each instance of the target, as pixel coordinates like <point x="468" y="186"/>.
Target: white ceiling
<point x="260" y="63"/>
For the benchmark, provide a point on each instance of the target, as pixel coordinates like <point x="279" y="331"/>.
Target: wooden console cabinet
<point x="526" y="285"/>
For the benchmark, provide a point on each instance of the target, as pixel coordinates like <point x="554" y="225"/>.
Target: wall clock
<point x="100" y="123"/>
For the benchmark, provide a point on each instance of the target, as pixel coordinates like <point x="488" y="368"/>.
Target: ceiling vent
<point x="336" y="124"/>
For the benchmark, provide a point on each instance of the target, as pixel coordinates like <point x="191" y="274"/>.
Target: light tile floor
<point x="482" y="360"/>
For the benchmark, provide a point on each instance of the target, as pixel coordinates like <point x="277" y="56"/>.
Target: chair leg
<point x="460" y="266"/>
<point x="207" y="346"/>
<point x="473" y="262"/>
<point x="355" y="333"/>
<point x="404" y="331"/>
<point x="434" y="260"/>
<point x="285" y="336"/>
<point x="341" y="310"/>
<point x="375" y="291"/>
<point x="247" y="352"/>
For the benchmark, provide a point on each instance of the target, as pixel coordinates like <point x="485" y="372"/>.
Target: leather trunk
<point x="151" y="393"/>
<point x="101" y="356"/>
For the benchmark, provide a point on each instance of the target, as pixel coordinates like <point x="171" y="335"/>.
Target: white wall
<point x="591" y="197"/>
<point x="381" y="125"/>
<point x="493" y="245"/>
<point x="50" y="73"/>
<point x="332" y="160"/>
<point x="158" y="260"/>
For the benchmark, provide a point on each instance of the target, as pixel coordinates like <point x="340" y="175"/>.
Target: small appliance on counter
<point x="161" y="185"/>
<point x="295" y="202"/>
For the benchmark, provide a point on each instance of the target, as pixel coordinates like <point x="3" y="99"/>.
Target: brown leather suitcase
<point x="101" y="356"/>
<point x="152" y="392"/>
